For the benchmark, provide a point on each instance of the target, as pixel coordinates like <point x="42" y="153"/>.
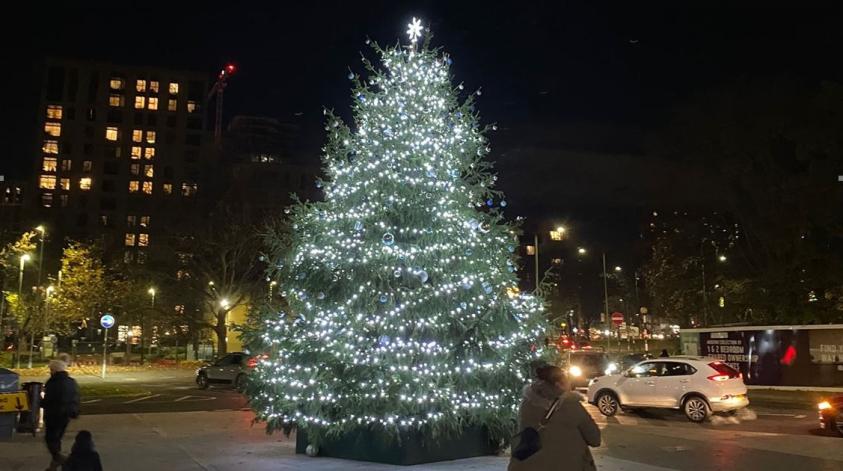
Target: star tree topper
<point x="414" y="30"/>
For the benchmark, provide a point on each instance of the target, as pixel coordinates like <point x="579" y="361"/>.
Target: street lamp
<point x="582" y="251"/>
<point x="151" y="292"/>
<point x="618" y="268"/>
<point x="722" y="258"/>
<point x="23" y="259"/>
<point x="225" y="304"/>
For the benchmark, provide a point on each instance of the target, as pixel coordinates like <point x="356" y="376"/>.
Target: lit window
<point x="112" y="133"/>
<point x="47" y="182"/>
<point x="66" y="165"/>
<point x="140" y="85"/>
<point x="134" y="169"/>
<point x="136" y="153"/>
<point x="134" y="186"/>
<point x="137" y="135"/>
<point x="50" y="164"/>
<point x="85" y="183"/>
<point x="87" y="165"/>
<point x="150" y="137"/>
<point x="147" y="171"/>
<point x="63" y="199"/>
<point x="153" y="86"/>
<point x="104" y="220"/>
<point x="188" y="189"/>
<point x="172" y="104"/>
<point x="149" y="153"/>
<point x="50" y="147"/>
<point x="54" y="111"/>
<point x="140" y="102"/>
<point x="53" y="129"/>
<point x="144" y="221"/>
<point x="131" y="220"/>
<point x="116" y="83"/>
<point x="168" y="188"/>
<point x="47" y="200"/>
<point x="65" y="184"/>
<point x="147" y="188"/>
<point x="531" y="250"/>
<point x="174" y="88"/>
<point x="143" y="240"/>
<point x="115" y="100"/>
<point x="191" y="106"/>
<point x="129" y="240"/>
<point x="153" y="103"/>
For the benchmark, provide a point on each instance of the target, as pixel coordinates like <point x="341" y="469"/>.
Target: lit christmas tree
<point x="401" y="285"/>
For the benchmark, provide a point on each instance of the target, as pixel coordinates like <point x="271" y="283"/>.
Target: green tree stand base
<point x="413" y="448"/>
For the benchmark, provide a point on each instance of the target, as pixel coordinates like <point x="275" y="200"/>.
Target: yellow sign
<point x="14" y="402"/>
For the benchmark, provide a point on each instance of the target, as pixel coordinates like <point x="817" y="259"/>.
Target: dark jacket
<point x="567" y="436"/>
<point x="61" y="397"/>
<point x="85" y="461"/>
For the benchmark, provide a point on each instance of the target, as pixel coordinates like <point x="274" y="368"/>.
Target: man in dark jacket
<point x="60" y="403"/>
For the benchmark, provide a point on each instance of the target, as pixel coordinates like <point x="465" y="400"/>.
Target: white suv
<point x="697" y="385"/>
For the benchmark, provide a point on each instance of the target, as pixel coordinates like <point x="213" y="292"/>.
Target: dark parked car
<point x="584" y="365"/>
<point x="831" y="415"/>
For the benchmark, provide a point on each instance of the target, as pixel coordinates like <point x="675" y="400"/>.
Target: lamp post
<point x="23" y="259"/>
<point x="151" y="292"/>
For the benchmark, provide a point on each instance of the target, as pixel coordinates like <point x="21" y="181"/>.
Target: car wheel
<point x="202" y="381"/>
<point x="240" y="382"/>
<point x="696" y="409"/>
<point x="607" y="403"/>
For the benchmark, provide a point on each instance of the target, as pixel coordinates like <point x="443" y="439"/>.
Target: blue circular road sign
<point x="107" y="321"/>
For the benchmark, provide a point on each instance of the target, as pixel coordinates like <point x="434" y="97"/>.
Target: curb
<point x="821" y="389"/>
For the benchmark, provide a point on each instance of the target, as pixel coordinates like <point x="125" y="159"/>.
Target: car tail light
<point x="719" y="378"/>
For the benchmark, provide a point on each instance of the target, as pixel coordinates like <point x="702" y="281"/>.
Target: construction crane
<point x="218" y="90"/>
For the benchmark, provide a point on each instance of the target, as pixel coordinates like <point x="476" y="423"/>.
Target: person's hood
<point x="542" y="393"/>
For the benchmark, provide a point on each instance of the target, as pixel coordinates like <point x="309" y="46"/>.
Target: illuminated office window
<point x="66" y="165"/>
<point x="149" y="153"/>
<point x="50" y="164"/>
<point x="47" y="182"/>
<point x="137" y="135"/>
<point x="144" y="221"/>
<point x="147" y="188"/>
<point x="150" y="137"/>
<point x="174" y="88"/>
<point x="85" y="183"/>
<point x="116" y="100"/>
<point x="87" y="166"/>
<point x="143" y="240"/>
<point x="129" y="240"/>
<point x="191" y="106"/>
<point x="64" y="183"/>
<point x="134" y="169"/>
<point x="153" y="103"/>
<point x="148" y="171"/>
<point x="131" y="220"/>
<point x="50" y="147"/>
<point x="47" y="200"/>
<point x="140" y="102"/>
<point x="168" y="188"/>
<point x="112" y="133"/>
<point x="54" y="111"/>
<point x="53" y="129"/>
<point x="188" y="189"/>
<point x="136" y="152"/>
<point x="153" y="86"/>
<point x="116" y="83"/>
<point x="140" y="85"/>
<point x="134" y="186"/>
<point x="172" y="104"/>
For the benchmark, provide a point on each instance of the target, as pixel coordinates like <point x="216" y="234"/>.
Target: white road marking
<point x="91" y="401"/>
<point x="198" y="398"/>
<point x="141" y="399"/>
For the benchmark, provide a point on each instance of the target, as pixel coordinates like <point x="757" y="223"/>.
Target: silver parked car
<point x="231" y="368"/>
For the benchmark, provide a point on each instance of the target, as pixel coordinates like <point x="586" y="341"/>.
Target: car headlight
<point x="611" y="368"/>
<point x="824" y="405"/>
<point x="575" y="371"/>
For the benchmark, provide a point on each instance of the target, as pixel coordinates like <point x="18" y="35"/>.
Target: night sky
<point x="561" y="80"/>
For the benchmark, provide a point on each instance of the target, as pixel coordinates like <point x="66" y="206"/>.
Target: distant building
<point x="11" y="204"/>
<point x="122" y="149"/>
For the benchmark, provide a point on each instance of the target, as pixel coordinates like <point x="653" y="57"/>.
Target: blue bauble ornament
<point x="487" y="287"/>
<point x="351" y="75"/>
<point x="303" y="296"/>
<point x="490" y="203"/>
<point x="383" y="298"/>
<point x="469" y="252"/>
<point x="358" y="226"/>
<point x="361" y="97"/>
<point x="459" y="114"/>
<point x="388" y="239"/>
<point x="503" y="204"/>
<point x="397" y="273"/>
<point x="466" y="283"/>
<point x="510" y="268"/>
<point x="473" y="223"/>
<point x="463" y="304"/>
<point x="383" y="340"/>
<point x="431" y="173"/>
<point x="321" y="295"/>
<point x="449" y="61"/>
<point x="318" y="184"/>
<point x="299" y="276"/>
<point x="511" y="248"/>
<point x="423" y="276"/>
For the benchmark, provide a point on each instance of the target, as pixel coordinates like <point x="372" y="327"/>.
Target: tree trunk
<point x="221" y="330"/>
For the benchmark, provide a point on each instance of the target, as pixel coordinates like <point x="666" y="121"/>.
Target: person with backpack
<point x="60" y="404"/>
<point x="555" y="430"/>
<point x="83" y="455"/>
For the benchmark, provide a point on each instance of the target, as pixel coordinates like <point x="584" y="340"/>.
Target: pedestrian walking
<point x="83" y="455"/>
<point x="565" y="431"/>
<point x="664" y="354"/>
<point x="60" y="404"/>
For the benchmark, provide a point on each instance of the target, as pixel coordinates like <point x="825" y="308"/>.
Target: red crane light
<point x="230" y="68"/>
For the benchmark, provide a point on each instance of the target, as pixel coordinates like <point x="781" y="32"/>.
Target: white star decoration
<point x="414" y="30"/>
